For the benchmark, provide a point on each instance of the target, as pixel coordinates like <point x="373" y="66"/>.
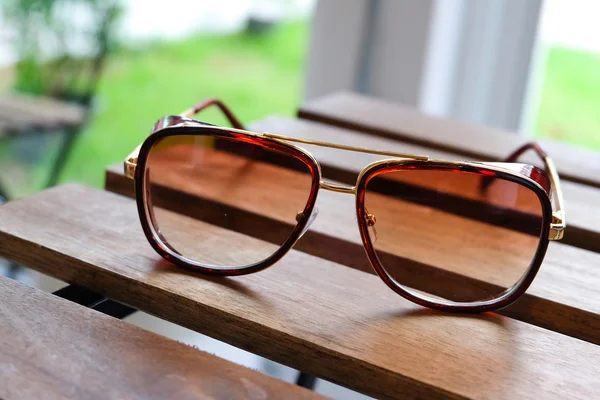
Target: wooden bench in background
<point x="313" y="313"/>
<point x="26" y="115"/>
<point x="22" y="115"/>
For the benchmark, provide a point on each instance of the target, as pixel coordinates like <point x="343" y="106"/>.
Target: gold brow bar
<point x="345" y="147"/>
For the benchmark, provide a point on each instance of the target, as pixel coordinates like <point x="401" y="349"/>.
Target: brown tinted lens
<point x="444" y="234"/>
<point x="217" y="201"/>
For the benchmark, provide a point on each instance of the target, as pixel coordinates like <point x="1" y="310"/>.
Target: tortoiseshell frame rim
<point x="529" y="176"/>
<point x="145" y="209"/>
<point x="513" y="293"/>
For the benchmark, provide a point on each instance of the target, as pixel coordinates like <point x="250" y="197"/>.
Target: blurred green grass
<point x="255" y="75"/>
<point x="570" y="105"/>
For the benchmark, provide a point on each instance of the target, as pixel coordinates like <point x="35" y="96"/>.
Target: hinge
<point x="130" y="163"/>
<point x="557" y="226"/>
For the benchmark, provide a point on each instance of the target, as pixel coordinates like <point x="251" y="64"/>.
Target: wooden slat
<point x="581" y="201"/>
<point x="314" y="315"/>
<point x="385" y="119"/>
<point x="561" y="298"/>
<point x="43" y="109"/>
<point x="52" y="348"/>
<point x="20" y="113"/>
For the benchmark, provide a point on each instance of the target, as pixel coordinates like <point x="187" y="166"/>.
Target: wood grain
<point x="432" y="251"/>
<point x="581" y="201"/>
<point x="393" y="121"/>
<point x="51" y="348"/>
<point x="314" y="315"/>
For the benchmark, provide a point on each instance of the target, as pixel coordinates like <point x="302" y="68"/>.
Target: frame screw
<point x="371" y="220"/>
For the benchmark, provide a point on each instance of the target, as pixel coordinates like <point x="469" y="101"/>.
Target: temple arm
<point x="130" y="162"/>
<point x="512" y="157"/>
<point x="558" y="223"/>
<point x="214" y="102"/>
<point x="526" y="147"/>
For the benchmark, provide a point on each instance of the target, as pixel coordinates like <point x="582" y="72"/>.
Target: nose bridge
<point x="334" y="187"/>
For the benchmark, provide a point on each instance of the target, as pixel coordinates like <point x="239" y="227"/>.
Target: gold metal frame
<point x="559" y="222"/>
<point x="557" y="225"/>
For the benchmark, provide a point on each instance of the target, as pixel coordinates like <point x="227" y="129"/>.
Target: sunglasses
<point x="449" y="235"/>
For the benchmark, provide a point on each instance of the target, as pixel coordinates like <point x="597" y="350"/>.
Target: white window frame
<point x="466" y="59"/>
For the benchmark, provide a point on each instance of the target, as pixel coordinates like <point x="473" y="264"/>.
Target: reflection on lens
<point x="441" y="234"/>
<point x="235" y="208"/>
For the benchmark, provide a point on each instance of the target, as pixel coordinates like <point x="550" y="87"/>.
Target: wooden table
<point x="21" y="114"/>
<point x="313" y="313"/>
<point x="51" y="348"/>
<point x="24" y="115"/>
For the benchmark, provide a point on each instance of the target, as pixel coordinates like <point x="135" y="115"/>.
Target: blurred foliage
<point x="27" y="16"/>
<point x="255" y="74"/>
<point x="48" y="62"/>
<point x="570" y="103"/>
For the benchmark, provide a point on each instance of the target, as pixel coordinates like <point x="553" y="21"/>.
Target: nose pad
<point x="310" y="220"/>
<point x="370" y="220"/>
